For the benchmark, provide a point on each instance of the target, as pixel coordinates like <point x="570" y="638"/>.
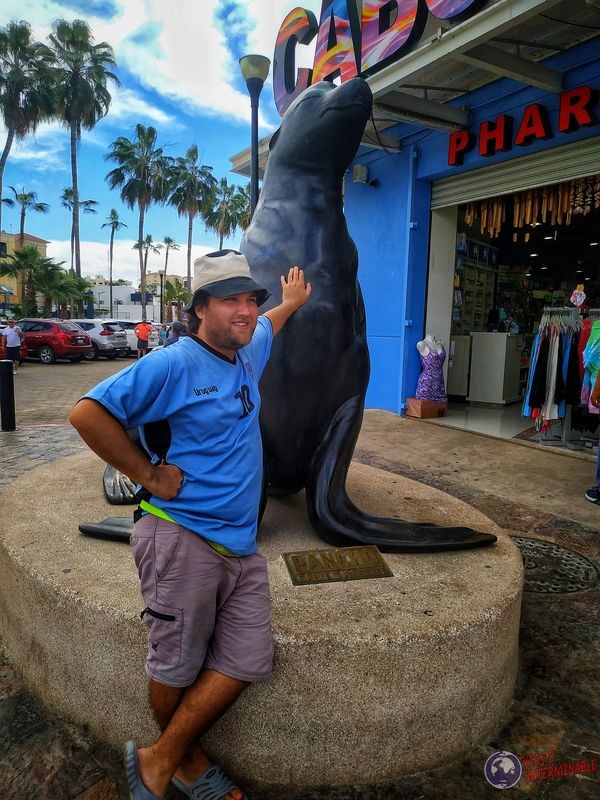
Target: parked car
<point x="49" y="339"/>
<point x="108" y="338"/>
<point x="3" y="346"/>
<point x="129" y="327"/>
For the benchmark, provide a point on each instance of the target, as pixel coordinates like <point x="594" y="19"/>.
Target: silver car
<point x="128" y="326"/>
<point x="108" y="338"/>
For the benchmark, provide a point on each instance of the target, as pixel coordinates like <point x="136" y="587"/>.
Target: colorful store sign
<point x="577" y="108"/>
<point x="350" y="43"/>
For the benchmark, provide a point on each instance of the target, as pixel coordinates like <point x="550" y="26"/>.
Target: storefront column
<point x="440" y="283"/>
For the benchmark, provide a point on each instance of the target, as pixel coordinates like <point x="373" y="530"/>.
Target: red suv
<point x="49" y="339"/>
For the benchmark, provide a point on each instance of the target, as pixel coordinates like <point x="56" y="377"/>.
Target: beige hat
<point x="222" y="274"/>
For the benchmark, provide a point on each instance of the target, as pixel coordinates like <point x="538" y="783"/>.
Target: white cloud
<point x="127" y="104"/>
<point x="94" y="258"/>
<point x="44" y="151"/>
<point x="178" y="48"/>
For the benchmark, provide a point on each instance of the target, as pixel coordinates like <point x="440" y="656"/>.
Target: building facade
<point x="474" y="197"/>
<point x="9" y="244"/>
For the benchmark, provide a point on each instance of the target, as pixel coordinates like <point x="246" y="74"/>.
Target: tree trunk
<point x="189" y="252"/>
<point x="110" y="263"/>
<point x="141" y="257"/>
<point x="30" y="299"/>
<point x="220" y="241"/>
<point x="144" y="281"/>
<point x="22" y="227"/>
<point x="3" y="158"/>
<point x="75" y="184"/>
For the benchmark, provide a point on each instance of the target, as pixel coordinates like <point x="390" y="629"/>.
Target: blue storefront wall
<point x="390" y="221"/>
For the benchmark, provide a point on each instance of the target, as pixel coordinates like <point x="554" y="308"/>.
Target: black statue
<point x="313" y="389"/>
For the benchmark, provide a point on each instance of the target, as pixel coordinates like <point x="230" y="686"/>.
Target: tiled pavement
<point x="556" y="701"/>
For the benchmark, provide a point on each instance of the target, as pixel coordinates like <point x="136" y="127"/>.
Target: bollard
<point x="7" y="396"/>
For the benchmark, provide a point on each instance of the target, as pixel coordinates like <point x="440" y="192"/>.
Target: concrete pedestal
<point x="373" y="679"/>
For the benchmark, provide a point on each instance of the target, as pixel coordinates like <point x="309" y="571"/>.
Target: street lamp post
<point x="254" y="69"/>
<point x="161" y="274"/>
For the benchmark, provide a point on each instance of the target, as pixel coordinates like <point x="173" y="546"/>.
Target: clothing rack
<point x="561" y="433"/>
<point x="552" y="439"/>
<point x="556" y="322"/>
<point x="559" y="315"/>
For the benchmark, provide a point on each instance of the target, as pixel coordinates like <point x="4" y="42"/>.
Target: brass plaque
<point x="339" y="564"/>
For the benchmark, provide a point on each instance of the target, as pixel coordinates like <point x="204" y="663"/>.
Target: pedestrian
<point x="593" y="494"/>
<point x="163" y="333"/>
<point x="203" y="581"/>
<point x="177" y="328"/>
<point x="14" y="336"/>
<point x="143" y="330"/>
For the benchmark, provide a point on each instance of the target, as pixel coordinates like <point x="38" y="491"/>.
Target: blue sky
<point x="178" y="66"/>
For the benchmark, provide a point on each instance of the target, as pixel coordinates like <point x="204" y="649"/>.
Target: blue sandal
<point x="213" y="784"/>
<point x="137" y="790"/>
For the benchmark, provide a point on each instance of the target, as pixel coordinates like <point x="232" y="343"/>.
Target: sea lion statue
<point x="313" y="388"/>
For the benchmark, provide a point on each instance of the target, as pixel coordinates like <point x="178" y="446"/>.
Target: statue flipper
<point x="340" y="523"/>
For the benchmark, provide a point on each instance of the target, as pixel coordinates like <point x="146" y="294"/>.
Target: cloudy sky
<point x="178" y="66"/>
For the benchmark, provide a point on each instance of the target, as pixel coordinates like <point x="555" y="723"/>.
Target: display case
<point x="474" y="286"/>
<point x="459" y="357"/>
<point x="495" y="375"/>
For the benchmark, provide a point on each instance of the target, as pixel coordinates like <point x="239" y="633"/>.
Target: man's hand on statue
<point x="295" y="292"/>
<point x="165" y="481"/>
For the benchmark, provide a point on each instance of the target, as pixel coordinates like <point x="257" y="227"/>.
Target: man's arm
<point x="108" y="439"/>
<point x="595" y="395"/>
<point x="295" y="292"/>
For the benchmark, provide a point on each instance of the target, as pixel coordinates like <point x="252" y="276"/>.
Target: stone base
<point x="373" y="679"/>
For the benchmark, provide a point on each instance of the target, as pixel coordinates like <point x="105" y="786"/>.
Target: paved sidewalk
<point x="556" y="706"/>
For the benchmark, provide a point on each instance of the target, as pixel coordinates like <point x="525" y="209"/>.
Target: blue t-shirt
<point x="200" y="411"/>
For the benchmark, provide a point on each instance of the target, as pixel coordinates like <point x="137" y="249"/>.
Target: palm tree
<point x="26" y="263"/>
<point x="144" y="174"/>
<point x="175" y="295"/>
<point x="87" y="206"/>
<point x="26" y="95"/>
<point x="147" y="246"/>
<point x="243" y="206"/>
<point x="77" y="291"/>
<point x="169" y="244"/>
<point x="223" y="212"/>
<point x="51" y="281"/>
<point x="114" y="223"/>
<point x="194" y="184"/>
<point x="27" y="201"/>
<point x="82" y="98"/>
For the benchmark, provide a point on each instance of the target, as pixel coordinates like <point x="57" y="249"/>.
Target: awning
<point x="507" y="38"/>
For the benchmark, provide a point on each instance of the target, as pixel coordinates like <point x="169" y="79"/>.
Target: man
<point x="142" y="330"/>
<point x="177" y="328"/>
<point x="204" y="584"/>
<point x="593" y="494"/>
<point x="14" y="336"/>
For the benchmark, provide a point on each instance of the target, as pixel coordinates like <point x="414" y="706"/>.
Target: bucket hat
<point x="222" y="274"/>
